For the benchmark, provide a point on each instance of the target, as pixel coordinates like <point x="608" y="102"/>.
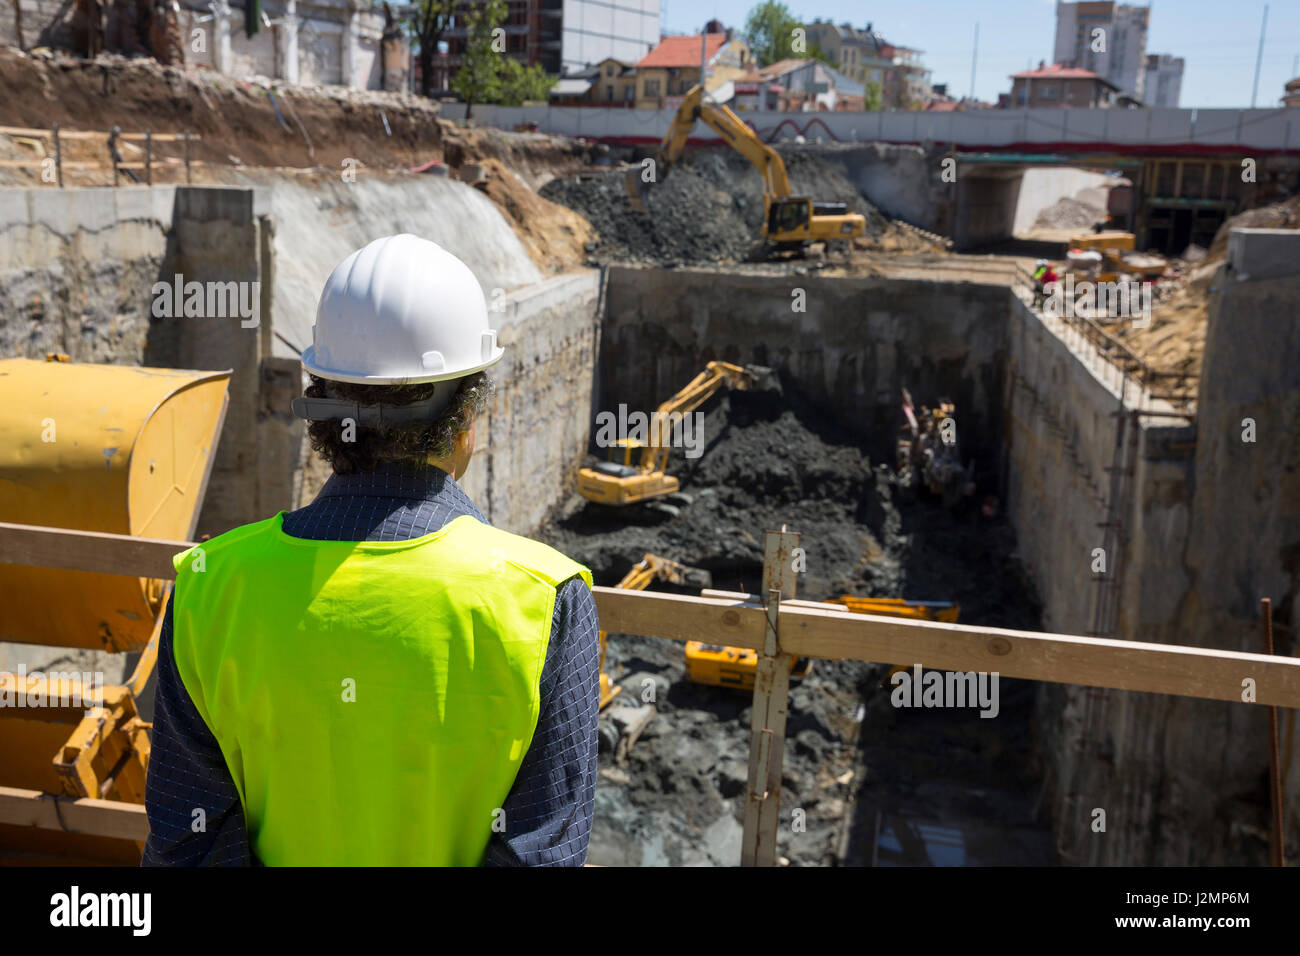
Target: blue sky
<point x="1217" y="38"/>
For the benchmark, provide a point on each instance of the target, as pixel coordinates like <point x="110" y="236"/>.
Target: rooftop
<point x="683" y="51"/>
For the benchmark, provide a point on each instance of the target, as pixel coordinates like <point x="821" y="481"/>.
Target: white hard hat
<point x="402" y="309"/>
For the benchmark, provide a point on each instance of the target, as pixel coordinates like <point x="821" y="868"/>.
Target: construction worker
<point x="1044" y="275"/>
<point x="380" y="677"/>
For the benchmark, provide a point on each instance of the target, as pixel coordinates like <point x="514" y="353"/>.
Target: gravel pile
<point x="708" y="209"/>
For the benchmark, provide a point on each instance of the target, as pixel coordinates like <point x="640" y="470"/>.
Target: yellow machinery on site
<point x="619" y="481"/>
<point x="97" y="448"/>
<point x="927" y="449"/>
<point x="1110" y="256"/>
<point x="789" y="221"/>
<point x="651" y="567"/>
<point x="736" y="666"/>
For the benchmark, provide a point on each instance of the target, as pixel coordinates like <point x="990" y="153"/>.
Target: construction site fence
<point x="773" y="623"/>
<point x="151" y="161"/>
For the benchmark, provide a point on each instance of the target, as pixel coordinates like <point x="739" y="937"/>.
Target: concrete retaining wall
<point x="76" y="266"/>
<point x="531" y="443"/>
<point x="856" y="345"/>
<point x="1180" y="780"/>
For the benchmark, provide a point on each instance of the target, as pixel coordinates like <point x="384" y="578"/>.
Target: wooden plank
<point x="95" y="134"/>
<point x="107" y="818"/>
<point x="804" y="631"/>
<point x="1032" y="655"/>
<point x="20" y="163"/>
<point x="87" y="551"/>
<point x="160" y="137"/>
<point x="681" y="618"/>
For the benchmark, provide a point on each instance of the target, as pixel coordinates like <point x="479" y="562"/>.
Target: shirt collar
<point x="406" y="480"/>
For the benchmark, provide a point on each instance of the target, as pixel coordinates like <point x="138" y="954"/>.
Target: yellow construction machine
<point x="927" y="448"/>
<point x="789" y="221"/>
<point x="651" y="567"/>
<point x="94" y="448"/>
<point x="1110" y="256"/>
<point x="623" y="481"/>
<point x="735" y="667"/>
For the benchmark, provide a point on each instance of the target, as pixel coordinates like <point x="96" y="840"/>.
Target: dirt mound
<point x="267" y="124"/>
<point x="709" y="208"/>
<point x="1175" y="339"/>
<point x="555" y="236"/>
<point x="1079" y="212"/>
<point x="771" y="460"/>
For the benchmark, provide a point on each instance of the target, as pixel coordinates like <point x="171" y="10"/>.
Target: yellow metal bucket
<point x="107" y="448"/>
<point x="102" y="448"/>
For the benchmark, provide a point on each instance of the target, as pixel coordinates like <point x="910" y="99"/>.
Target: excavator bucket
<point x="695" y="578"/>
<point x="763" y="379"/>
<point x="98" y="448"/>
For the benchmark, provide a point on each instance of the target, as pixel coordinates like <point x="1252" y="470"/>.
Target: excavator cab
<point x="788" y="219"/>
<point x="621" y="455"/>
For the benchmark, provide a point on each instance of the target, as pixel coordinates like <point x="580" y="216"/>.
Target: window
<point x="609" y="94"/>
<point x="651" y="87"/>
<point x="1047" y="92"/>
<point x="609" y="70"/>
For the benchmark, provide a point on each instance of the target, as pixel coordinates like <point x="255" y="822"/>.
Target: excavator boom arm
<point x="732" y="129"/>
<point x="692" y="396"/>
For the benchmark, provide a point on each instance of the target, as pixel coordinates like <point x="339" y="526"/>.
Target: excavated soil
<point x="295" y="130"/>
<point x="1175" y="339"/>
<point x="850" y="756"/>
<point x="709" y="208"/>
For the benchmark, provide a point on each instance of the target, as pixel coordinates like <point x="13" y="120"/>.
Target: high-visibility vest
<point x="374" y="700"/>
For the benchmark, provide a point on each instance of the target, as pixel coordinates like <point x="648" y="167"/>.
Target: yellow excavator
<point x="789" y="222"/>
<point x="735" y="667"/>
<point x="651" y="567"/>
<point x="619" y="481"/>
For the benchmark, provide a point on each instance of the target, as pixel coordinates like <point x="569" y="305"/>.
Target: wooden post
<point x="771" y="703"/>
<point x="188" y="178"/>
<point x="148" y="157"/>
<point x="58" y="157"/>
<point x="1277" y="837"/>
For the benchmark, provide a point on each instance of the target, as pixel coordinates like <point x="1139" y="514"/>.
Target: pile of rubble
<point x="676" y="796"/>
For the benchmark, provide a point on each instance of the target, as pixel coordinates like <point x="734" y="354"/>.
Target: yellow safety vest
<point x="373" y="700"/>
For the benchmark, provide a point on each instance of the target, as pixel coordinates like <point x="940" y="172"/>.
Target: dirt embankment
<point x="771" y="460"/>
<point x="1175" y="339"/>
<point x="297" y="129"/>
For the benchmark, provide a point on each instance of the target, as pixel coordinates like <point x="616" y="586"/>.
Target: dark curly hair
<point x="396" y="443"/>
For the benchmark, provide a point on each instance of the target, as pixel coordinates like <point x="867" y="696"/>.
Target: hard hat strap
<point x="337" y="409"/>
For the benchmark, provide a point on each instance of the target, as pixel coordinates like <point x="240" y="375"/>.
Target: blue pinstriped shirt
<point x="549" y="810"/>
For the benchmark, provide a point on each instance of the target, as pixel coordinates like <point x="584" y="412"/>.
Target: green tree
<point x="769" y="31"/>
<point x="429" y="21"/>
<point x="479" y="78"/>
<point x="488" y="74"/>
<point x="518" y="83"/>
<point x="815" y="52"/>
<point x="873" y="97"/>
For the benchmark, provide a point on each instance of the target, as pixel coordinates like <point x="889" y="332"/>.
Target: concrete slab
<point x="1263" y="253"/>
